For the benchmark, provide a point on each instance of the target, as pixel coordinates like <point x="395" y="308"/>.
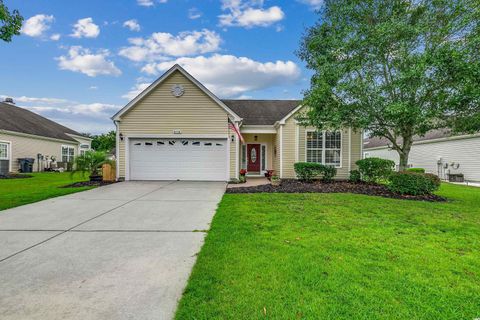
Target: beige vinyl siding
<point x="288" y="148"/>
<point x="159" y="112"/>
<point x="29" y="147"/>
<point x="357" y="142"/>
<point x="463" y="151"/>
<point x="276" y="153"/>
<point x="233" y="154"/>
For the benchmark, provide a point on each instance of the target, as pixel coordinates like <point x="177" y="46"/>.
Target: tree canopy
<point x="395" y="68"/>
<point x="10" y="23"/>
<point x="103" y="142"/>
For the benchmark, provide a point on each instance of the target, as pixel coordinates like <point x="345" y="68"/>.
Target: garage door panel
<point x="178" y="159"/>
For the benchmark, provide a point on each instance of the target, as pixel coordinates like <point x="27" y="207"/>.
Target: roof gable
<point x="160" y="80"/>
<point x="17" y="119"/>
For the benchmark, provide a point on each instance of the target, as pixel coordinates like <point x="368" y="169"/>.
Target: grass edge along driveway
<point x="44" y="185"/>
<point x="339" y="256"/>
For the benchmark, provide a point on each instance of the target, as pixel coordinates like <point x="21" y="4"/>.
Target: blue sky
<point x="77" y="62"/>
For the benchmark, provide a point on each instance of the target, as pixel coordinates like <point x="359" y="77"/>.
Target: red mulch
<point x="371" y="189"/>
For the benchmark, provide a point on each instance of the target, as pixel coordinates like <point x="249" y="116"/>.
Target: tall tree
<point x="10" y="23"/>
<point x="396" y="68"/>
<point x="103" y="142"/>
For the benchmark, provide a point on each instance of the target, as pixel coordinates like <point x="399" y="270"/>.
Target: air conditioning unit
<point x="4" y="167"/>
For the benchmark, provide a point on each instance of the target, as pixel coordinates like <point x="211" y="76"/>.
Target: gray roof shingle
<point x="13" y="118"/>
<point x="262" y="112"/>
<point x="376" y="142"/>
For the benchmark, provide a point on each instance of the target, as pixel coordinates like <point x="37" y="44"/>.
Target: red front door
<point x="253" y="156"/>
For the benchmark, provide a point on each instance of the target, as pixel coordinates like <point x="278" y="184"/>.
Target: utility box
<point x="4" y="167"/>
<point x="456" y="177"/>
<point x="26" y="164"/>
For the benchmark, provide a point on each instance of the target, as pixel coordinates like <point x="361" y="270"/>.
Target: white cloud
<point x="149" y="3"/>
<point x="194" y="13"/>
<point x="82" y="60"/>
<point x="135" y="90"/>
<point x="37" y="25"/>
<point x="83" y="117"/>
<point x="230" y="76"/>
<point x="35" y="99"/>
<point x="314" y="4"/>
<point x="132" y="25"/>
<point x="93" y="88"/>
<point x="85" y="28"/>
<point x="249" y="14"/>
<point x="55" y="37"/>
<point x="160" y="45"/>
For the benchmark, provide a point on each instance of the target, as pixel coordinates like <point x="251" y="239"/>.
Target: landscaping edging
<point x="371" y="189"/>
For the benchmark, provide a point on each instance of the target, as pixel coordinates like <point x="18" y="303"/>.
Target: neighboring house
<point x="178" y="129"/>
<point x="437" y="152"/>
<point x="24" y="134"/>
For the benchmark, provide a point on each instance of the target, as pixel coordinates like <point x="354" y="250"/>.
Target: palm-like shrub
<point x="91" y="162"/>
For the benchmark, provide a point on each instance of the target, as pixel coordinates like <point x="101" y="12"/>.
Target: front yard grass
<point x="339" y="256"/>
<point x="17" y="192"/>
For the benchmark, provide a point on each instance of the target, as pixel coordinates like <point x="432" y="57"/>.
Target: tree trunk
<point x="404" y="153"/>
<point x="403" y="165"/>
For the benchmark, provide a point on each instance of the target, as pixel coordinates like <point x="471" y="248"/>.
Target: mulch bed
<point x="89" y="184"/>
<point x="295" y="186"/>
<point x="15" y="176"/>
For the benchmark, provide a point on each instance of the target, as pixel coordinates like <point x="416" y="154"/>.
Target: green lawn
<point x="17" y="192"/>
<point x="339" y="256"/>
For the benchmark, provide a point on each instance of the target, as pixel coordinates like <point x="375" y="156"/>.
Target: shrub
<point x="375" y="169"/>
<point x="355" y="176"/>
<point x="417" y="170"/>
<point x="413" y="183"/>
<point x="329" y="172"/>
<point x="307" y="171"/>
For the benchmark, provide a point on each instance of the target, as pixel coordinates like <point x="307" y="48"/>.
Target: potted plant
<point x="243" y="176"/>
<point x="276" y="181"/>
<point x="91" y="162"/>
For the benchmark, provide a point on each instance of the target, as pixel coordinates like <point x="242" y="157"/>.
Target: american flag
<point x="236" y="130"/>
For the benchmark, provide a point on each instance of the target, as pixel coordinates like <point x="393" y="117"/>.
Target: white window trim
<point x="323" y="147"/>
<point x="9" y="153"/>
<point x="61" y="152"/>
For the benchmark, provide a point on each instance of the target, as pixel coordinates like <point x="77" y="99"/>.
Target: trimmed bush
<point x="413" y="183"/>
<point x="375" y="169"/>
<point x="307" y="171"/>
<point x="417" y="170"/>
<point x="329" y="172"/>
<point x="355" y="176"/>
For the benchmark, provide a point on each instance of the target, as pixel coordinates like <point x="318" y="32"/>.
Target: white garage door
<point x="178" y="159"/>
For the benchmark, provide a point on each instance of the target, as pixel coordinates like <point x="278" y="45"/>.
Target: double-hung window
<point x="4" y="151"/>
<point x="68" y="153"/>
<point x="324" y="147"/>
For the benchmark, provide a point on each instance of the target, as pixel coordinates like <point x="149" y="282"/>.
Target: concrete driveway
<point x="123" y="251"/>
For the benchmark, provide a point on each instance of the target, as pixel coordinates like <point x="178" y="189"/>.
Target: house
<point x="178" y="129"/>
<point x="24" y="134"/>
<point x="438" y="152"/>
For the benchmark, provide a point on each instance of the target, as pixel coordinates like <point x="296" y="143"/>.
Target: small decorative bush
<point x="413" y="183"/>
<point x="375" y="169"/>
<point x="417" y="170"/>
<point x="329" y="172"/>
<point x="243" y="172"/>
<point x="307" y="171"/>
<point x="355" y="176"/>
